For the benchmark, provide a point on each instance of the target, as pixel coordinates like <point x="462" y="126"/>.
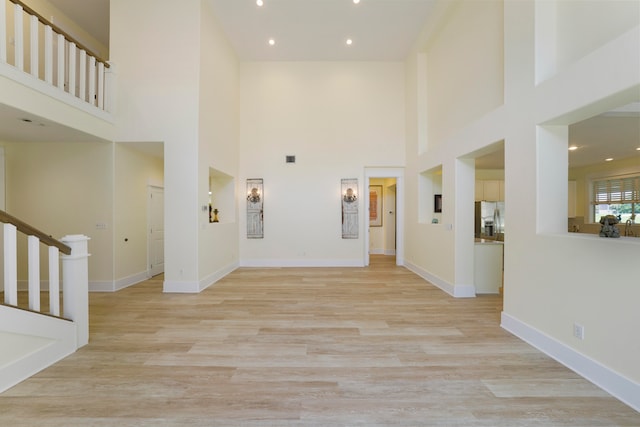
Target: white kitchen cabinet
<point x="489" y="190"/>
<point x="572" y="199"/>
<point x="479" y="191"/>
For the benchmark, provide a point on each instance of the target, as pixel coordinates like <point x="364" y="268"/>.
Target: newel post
<point x="75" y="285"/>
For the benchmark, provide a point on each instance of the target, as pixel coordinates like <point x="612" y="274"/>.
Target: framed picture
<point x="375" y="206"/>
<point x="437" y="203"/>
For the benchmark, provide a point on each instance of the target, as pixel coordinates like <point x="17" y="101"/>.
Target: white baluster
<point x="100" y="85"/>
<point x="3" y="33"/>
<point x="34" y="46"/>
<point x="10" y="265"/>
<point x="82" y="78"/>
<point x="92" y="81"/>
<point x="54" y="281"/>
<point x="72" y="68"/>
<point x="48" y="54"/>
<point x="18" y="37"/>
<point x="34" y="272"/>
<point x="75" y="285"/>
<point x="61" y="48"/>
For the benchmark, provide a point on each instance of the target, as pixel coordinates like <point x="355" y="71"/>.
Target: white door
<point x="156" y="230"/>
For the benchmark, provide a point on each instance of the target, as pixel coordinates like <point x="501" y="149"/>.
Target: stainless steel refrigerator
<point x="489" y="220"/>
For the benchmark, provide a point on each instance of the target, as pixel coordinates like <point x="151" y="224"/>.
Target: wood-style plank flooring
<point x="373" y="346"/>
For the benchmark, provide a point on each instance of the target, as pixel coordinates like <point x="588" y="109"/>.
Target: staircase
<point x="31" y="339"/>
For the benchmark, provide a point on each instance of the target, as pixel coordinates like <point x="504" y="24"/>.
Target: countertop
<point x="488" y="242"/>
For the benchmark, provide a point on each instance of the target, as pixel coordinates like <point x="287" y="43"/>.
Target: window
<point x="616" y="196"/>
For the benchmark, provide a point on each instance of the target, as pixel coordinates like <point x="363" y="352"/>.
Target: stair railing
<point x="75" y="68"/>
<point x="74" y="260"/>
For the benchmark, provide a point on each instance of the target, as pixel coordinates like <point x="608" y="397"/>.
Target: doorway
<point x="391" y="211"/>
<point x="382" y="216"/>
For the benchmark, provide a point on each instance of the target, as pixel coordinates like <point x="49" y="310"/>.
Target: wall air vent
<point x="291" y="159"/>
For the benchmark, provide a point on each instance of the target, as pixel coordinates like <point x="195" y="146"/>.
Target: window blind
<point x="618" y="190"/>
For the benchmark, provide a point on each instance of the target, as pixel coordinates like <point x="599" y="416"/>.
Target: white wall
<point x="553" y="279"/>
<point x="464" y="68"/>
<point x="61" y="189"/>
<point x="155" y="46"/>
<point x="218" y="148"/>
<point x="465" y="89"/>
<point x="336" y="118"/>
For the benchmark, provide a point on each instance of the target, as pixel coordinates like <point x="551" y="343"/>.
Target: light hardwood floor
<point x="373" y="346"/>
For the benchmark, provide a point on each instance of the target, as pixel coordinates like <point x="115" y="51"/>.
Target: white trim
<point x="199" y="286"/>
<point x="378" y="251"/>
<point x="119" y="284"/>
<point x="134" y="279"/>
<point x="610" y="381"/>
<point x="217" y="275"/>
<point x="101" y="286"/>
<point x="457" y="291"/>
<point x="389" y="252"/>
<point x="34" y="83"/>
<point x="62" y="333"/>
<point x="284" y="263"/>
<point x="180" y="287"/>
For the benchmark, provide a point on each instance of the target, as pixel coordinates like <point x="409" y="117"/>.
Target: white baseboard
<point x="379" y="251"/>
<point x="214" y="277"/>
<point x="116" y="285"/>
<point x="610" y="381"/>
<point x="193" y="287"/>
<point x="96" y="285"/>
<point x="458" y="291"/>
<point x="283" y="263"/>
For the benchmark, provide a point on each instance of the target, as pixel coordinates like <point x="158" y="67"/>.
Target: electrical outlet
<point x="578" y="331"/>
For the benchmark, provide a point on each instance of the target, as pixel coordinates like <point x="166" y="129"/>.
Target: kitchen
<point x="489" y="232"/>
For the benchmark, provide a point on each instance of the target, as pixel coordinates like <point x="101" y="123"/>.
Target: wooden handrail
<point x="59" y="31"/>
<point x="25" y="228"/>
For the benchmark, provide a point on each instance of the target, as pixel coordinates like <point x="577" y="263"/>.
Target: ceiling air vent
<point x="291" y="159"/>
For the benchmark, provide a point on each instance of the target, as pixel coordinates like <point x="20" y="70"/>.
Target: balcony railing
<point x="45" y="51"/>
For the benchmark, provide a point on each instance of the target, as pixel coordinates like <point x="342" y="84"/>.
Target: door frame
<point x="386" y="172"/>
<point x="150" y="189"/>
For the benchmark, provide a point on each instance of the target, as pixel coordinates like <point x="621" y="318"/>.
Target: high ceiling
<point x="317" y="30"/>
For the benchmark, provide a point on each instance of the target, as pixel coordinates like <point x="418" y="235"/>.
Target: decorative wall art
<point x="437" y="203"/>
<point x="375" y="206"/>
<point x="349" y="202"/>
<point x="255" y="202"/>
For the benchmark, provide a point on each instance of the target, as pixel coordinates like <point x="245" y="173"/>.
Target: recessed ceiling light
<point x="609" y="159"/>
<point x="573" y="148"/>
<point x="356" y="1"/>
<point x="349" y="42"/>
<point x="259" y="2"/>
<point x="272" y="42"/>
<point x="638" y="149"/>
<point x="27" y="120"/>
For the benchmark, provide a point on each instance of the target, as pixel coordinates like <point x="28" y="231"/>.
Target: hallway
<point x="372" y="346"/>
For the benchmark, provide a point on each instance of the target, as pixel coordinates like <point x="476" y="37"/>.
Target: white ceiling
<point x="316" y="30"/>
